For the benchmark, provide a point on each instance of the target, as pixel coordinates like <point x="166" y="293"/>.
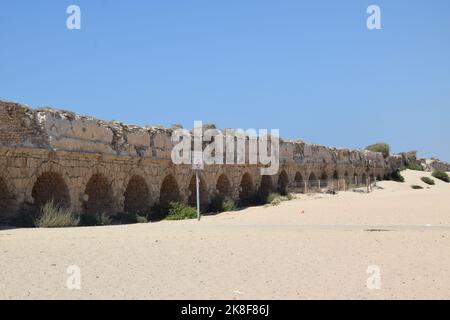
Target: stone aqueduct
<point x="97" y="166"/>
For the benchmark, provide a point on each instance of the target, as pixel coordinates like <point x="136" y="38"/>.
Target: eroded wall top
<point x="57" y="130"/>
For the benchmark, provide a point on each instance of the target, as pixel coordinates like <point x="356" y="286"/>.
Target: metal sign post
<point x="198" y="194"/>
<point x="197" y="165"/>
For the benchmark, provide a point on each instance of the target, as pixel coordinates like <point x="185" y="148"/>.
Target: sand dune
<point x="316" y="246"/>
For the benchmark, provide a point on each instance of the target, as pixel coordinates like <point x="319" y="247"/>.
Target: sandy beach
<point x="317" y="246"/>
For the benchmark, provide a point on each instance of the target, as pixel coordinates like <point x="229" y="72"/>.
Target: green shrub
<point x="221" y="204"/>
<point x="272" y="196"/>
<point x="125" y="218"/>
<point x="141" y="219"/>
<point x="416" y="187"/>
<point x="428" y="181"/>
<point x="441" y="175"/>
<point x="25" y="218"/>
<point x="290" y="196"/>
<point x="275" y="202"/>
<point x="158" y="212"/>
<point x="95" y="219"/>
<point x="89" y="219"/>
<point x="55" y="216"/>
<point x="228" y="204"/>
<point x="252" y="199"/>
<point x="412" y="166"/>
<point x="180" y="211"/>
<point x="380" y="147"/>
<point x="397" y="176"/>
<point x="275" y="199"/>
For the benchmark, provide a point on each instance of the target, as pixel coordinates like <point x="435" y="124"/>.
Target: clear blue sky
<point x="309" y="68"/>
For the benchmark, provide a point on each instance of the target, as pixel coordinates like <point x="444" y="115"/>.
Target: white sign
<point x="197" y="161"/>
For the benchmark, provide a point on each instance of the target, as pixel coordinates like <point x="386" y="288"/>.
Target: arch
<point x="223" y="186"/>
<point x="324" y="180"/>
<point x="299" y="182"/>
<point x="364" y="179"/>
<point x="312" y="182"/>
<point x="356" y="180"/>
<point x="379" y="178"/>
<point x="265" y="187"/>
<point x="283" y="183"/>
<point x="335" y="175"/>
<point x="346" y="177"/>
<point x="50" y="186"/>
<point x="136" y="196"/>
<point x="4" y="196"/>
<point x="192" y="189"/>
<point x="371" y="178"/>
<point x="99" y="195"/>
<point x="246" y="192"/>
<point x="336" y="184"/>
<point x="169" y="191"/>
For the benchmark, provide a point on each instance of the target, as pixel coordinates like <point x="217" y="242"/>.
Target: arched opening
<point x="4" y="197"/>
<point x="169" y="192"/>
<point x="335" y="175"/>
<point x="371" y="178"/>
<point x="299" y="182"/>
<point x="265" y="187"/>
<point x="192" y="200"/>
<point x="356" y="179"/>
<point x="346" y="177"/>
<point x="246" y="192"/>
<point x="364" y="179"/>
<point x="283" y="182"/>
<point x="99" y="195"/>
<point x="222" y="192"/>
<point x="336" y="184"/>
<point x="323" y="180"/>
<point x="136" y="196"/>
<point x="48" y="187"/>
<point x="223" y="187"/>
<point x="312" y="182"/>
<point x="379" y="178"/>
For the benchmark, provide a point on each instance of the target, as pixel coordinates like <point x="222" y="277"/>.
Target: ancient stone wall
<point x="97" y="166"/>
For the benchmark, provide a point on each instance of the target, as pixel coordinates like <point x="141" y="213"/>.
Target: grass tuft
<point x="428" y="181"/>
<point x="275" y="199"/>
<point x="55" y="216"/>
<point x="441" y="175"/>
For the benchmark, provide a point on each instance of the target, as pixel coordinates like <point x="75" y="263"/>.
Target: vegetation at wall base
<point x="124" y="218"/>
<point x="222" y="204"/>
<point x="228" y="204"/>
<point x="56" y="216"/>
<point x="397" y="176"/>
<point x="141" y="219"/>
<point x="180" y="211"/>
<point x="412" y="166"/>
<point x="441" y="175"/>
<point x="428" y="181"/>
<point x="275" y="198"/>
<point x="95" y="219"/>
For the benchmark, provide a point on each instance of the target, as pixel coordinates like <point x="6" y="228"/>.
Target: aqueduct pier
<point x="97" y="166"/>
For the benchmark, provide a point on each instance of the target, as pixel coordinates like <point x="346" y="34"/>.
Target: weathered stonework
<point x="92" y="165"/>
